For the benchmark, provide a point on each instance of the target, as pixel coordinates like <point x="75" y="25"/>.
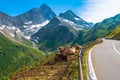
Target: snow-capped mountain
<point x="76" y="21"/>
<point x="35" y="19"/>
<point x="43" y="24"/>
<point x="61" y="30"/>
<point x="54" y="34"/>
<point x="37" y="15"/>
<point x="29" y="22"/>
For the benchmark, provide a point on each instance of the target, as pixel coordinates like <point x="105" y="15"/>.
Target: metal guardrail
<point x="80" y="75"/>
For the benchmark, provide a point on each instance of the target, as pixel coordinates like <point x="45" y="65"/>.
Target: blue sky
<point x="15" y="7"/>
<point x="89" y="10"/>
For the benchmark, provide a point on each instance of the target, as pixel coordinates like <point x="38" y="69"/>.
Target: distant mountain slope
<point x="36" y="18"/>
<point x="115" y="33"/>
<point x="61" y="30"/>
<point x="77" y="21"/>
<point x="53" y="35"/>
<point x="7" y="20"/>
<point x="14" y="56"/>
<point x="29" y="22"/>
<point x="37" y="15"/>
<point x="84" y="36"/>
<point x="102" y="29"/>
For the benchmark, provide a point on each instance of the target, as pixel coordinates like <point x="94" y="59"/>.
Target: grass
<point x="26" y="42"/>
<point x="15" y="56"/>
<point x="114" y="32"/>
<point x="51" y="70"/>
<point x="84" y="58"/>
<point x="73" y="70"/>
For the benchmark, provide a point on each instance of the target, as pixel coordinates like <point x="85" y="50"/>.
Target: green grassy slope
<point x="100" y="29"/>
<point x="114" y="34"/>
<point x="14" y="56"/>
<point x="103" y="28"/>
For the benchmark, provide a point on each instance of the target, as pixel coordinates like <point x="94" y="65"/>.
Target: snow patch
<point x="27" y="37"/>
<point x="36" y="41"/>
<point x="25" y="26"/>
<point x="18" y="31"/>
<point x="12" y="34"/>
<point x="42" y="24"/>
<point x="38" y="25"/>
<point x="1" y="28"/>
<point x="77" y="18"/>
<point x="11" y="28"/>
<point x="29" y="22"/>
<point x="70" y="22"/>
<point x="77" y="28"/>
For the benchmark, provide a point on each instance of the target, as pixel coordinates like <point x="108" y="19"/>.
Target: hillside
<point x="49" y="37"/>
<point x="53" y="35"/>
<point x="114" y="34"/>
<point x="14" y="56"/>
<point x="99" y="30"/>
<point x="53" y="68"/>
<point x="61" y="30"/>
<point x="103" y="28"/>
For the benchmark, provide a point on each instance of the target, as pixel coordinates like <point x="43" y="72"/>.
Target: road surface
<point x="105" y="59"/>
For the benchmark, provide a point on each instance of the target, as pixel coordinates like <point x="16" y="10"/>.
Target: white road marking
<point x="91" y="70"/>
<point x="115" y="49"/>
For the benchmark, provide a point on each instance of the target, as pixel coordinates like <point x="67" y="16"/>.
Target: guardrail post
<point x="80" y="75"/>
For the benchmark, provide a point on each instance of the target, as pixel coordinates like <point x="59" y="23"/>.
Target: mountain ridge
<point x="39" y="14"/>
<point x="50" y="36"/>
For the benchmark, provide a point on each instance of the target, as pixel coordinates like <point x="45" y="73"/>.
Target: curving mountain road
<point x="105" y="59"/>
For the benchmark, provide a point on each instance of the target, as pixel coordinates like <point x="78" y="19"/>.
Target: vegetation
<point x="99" y="30"/>
<point x="51" y="69"/>
<point x="103" y="28"/>
<point x="26" y="42"/>
<point x="114" y="34"/>
<point x="73" y="70"/>
<point x="51" y="38"/>
<point x="15" y="56"/>
<point x="87" y="47"/>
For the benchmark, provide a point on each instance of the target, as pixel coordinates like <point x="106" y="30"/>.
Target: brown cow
<point x="60" y="57"/>
<point x="77" y="47"/>
<point x="61" y="50"/>
<point x="64" y="52"/>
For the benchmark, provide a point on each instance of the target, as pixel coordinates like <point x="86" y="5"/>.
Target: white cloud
<point x="97" y="10"/>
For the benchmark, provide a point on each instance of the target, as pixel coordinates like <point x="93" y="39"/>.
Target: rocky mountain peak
<point x="37" y="15"/>
<point x="43" y="6"/>
<point x="68" y="15"/>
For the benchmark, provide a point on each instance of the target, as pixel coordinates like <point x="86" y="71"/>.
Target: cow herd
<point x="63" y="53"/>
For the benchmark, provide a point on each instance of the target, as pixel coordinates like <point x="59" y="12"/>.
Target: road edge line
<point x="90" y="66"/>
<point x="115" y="49"/>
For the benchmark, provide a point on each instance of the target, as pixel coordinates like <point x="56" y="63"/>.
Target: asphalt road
<point x="106" y="60"/>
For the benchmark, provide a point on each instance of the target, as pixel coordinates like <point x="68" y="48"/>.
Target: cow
<point x="60" y="57"/>
<point x="63" y="53"/>
<point x="77" y="47"/>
